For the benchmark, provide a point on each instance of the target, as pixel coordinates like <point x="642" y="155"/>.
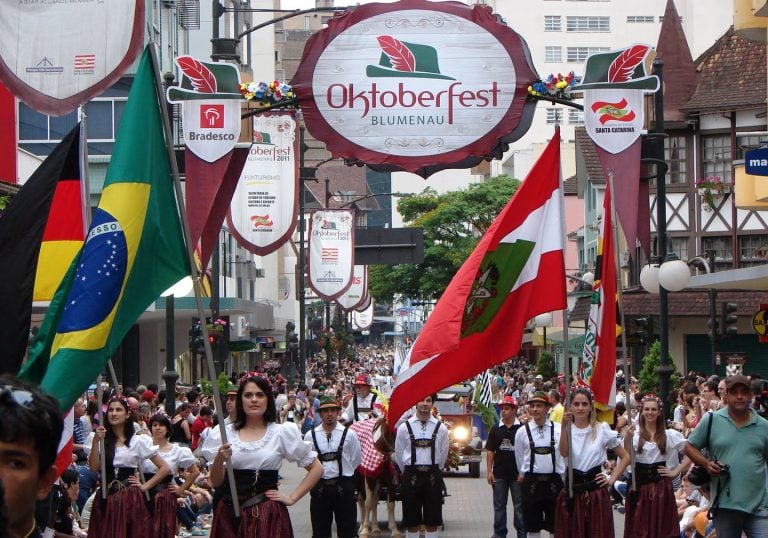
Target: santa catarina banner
<point x="416" y="85"/>
<point x="331" y="252"/>
<point x="262" y="215"/>
<point x="57" y="55"/>
<point x="356" y="294"/>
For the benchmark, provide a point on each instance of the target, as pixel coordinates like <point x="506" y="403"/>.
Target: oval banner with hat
<point x="331" y="252"/>
<point x="210" y="97"/>
<point x="416" y="85"/>
<point x="356" y="294"/>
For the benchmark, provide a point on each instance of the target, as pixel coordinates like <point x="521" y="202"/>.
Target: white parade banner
<point x="365" y="303"/>
<point x="331" y="252"/>
<point x="614" y="118"/>
<point x="356" y="294"/>
<point x="363" y="320"/>
<point x="262" y="215"/>
<point x="55" y="56"/>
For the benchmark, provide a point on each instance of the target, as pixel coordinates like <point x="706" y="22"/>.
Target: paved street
<point x="467" y="513"/>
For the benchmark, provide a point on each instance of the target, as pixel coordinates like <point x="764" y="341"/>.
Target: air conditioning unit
<point x="238" y="326"/>
<point x="624" y="259"/>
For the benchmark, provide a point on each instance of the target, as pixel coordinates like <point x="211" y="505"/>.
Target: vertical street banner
<point x="262" y="214"/>
<point x="597" y="367"/>
<point x="356" y="294"/>
<point x="210" y="98"/>
<point x="614" y="83"/>
<point x="55" y="56"/>
<point x="331" y="260"/>
<point x="363" y="319"/>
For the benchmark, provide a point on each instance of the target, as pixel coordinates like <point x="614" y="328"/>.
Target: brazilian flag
<point x="133" y="252"/>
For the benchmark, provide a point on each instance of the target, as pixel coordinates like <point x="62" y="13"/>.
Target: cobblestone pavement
<point x="467" y="512"/>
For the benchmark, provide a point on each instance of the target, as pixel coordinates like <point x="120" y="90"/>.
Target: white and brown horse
<point x="377" y="443"/>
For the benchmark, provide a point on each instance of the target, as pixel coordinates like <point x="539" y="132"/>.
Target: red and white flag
<point x="597" y="368"/>
<point x="516" y="272"/>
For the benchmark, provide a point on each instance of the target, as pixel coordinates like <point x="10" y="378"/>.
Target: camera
<point x="725" y="469"/>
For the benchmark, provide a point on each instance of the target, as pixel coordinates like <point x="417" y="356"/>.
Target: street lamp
<point x="373" y="195"/>
<point x="544" y="320"/>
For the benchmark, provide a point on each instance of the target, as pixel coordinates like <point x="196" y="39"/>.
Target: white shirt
<point x="651" y="454"/>
<point x="178" y="457"/>
<point x="588" y="453"/>
<point x="139" y="449"/>
<point x="423" y="454"/>
<point x="351" y="456"/>
<point x="281" y="441"/>
<point x="362" y="403"/>
<point x="542" y="437"/>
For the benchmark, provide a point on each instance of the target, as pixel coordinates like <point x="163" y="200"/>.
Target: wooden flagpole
<point x="195" y="276"/>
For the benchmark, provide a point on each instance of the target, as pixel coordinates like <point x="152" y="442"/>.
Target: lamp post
<point x="544" y="320"/>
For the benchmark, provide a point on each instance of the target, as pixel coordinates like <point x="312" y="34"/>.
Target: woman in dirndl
<point x="256" y="447"/>
<point x="124" y="514"/>
<point x="589" y="512"/>
<point x="651" y="510"/>
<point x="165" y="493"/>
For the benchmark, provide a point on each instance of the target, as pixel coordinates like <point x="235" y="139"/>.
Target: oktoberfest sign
<point x="331" y="252"/>
<point x="263" y="211"/>
<point x="356" y="294"/>
<point x="55" y="56"/>
<point x="416" y="85"/>
<point x="210" y="99"/>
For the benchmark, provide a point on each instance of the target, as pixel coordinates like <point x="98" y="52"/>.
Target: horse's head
<point x="383" y="439"/>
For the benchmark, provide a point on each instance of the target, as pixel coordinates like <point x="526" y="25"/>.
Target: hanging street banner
<point x="55" y="56"/>
<point x="262" y="215"/>
<point x="614" y="84"/>
<point x="416" y="85"/>
<point x="357" y="292"/>
<point x="365" y="303"/>
<point x="210" y="97"/>
<point x="363" y="320"/>
<point x="331" y="252"/>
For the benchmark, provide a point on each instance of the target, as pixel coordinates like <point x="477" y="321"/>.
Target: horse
<point x="376" y="470"/>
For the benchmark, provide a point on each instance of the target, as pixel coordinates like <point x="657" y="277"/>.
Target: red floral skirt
<point x="652" y="512"/>
<point x="122" y="515"/>
<point x="164" y="518"/>
<point x="268" y="519"/>
<point x="591" y="515"/>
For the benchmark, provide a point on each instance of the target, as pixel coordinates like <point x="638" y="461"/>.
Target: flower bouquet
<point x="710" y="188"/>
<point x="269" y="94"/>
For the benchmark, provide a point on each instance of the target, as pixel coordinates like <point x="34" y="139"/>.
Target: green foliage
<point x="545" y="365"/>
<point x="223" y="382"/>
<point x="4" y="201"/>
<point x="486" y="413"/>
<point x="206" y="386"/>
<point x="453" y="224"/>
<point x="649" y="377"/>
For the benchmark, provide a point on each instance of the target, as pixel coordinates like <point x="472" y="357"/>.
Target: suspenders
<point x="338" y="450"/>
<point x="354" y="404"/>
<point x="533" y="446"/>
<point x="423" y="442"/>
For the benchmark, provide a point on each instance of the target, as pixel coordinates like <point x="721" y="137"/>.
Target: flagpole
<point x="193" y="266"/>
<point x="566" y="348"/>
<point x="102" y="451"/>
<point x="620" y="305"/>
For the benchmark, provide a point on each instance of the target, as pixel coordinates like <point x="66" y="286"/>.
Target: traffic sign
<point x="760" y="323"/>
<point x="756" y="162"/>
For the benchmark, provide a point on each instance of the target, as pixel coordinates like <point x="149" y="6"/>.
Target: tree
<point x="545" y="365"/>
<point x="649" y="377"/>
<point x="453" y="224"/>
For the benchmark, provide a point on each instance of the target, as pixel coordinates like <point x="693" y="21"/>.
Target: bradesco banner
<point x="416" y="85"/>
<point x="331" y="252"/>
<point x="262" y="215"/>
<point x="210" y="99"/>
<point x="57" y="55"/>
<point x="356" y="294"/>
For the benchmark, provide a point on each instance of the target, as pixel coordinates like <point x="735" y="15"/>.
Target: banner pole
<point x="193" y="267"/>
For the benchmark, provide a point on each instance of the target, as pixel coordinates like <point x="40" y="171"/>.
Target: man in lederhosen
<point x="502" y="469"/>
<point x="338" y="448"/>
<point x="540" y="466"/>
<point x="421" y="448"/>
<point x="361" y="406"/>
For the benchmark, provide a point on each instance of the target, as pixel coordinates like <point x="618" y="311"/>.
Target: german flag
<point x="48" y="208"/>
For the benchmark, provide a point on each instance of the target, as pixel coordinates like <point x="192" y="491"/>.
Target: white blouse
<point x="651" y="454"/>
<point x="588" y="453"/>
<point x="178" y="457"/>
<point x="139" y="449"/>
<point x="281" y="441"/>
